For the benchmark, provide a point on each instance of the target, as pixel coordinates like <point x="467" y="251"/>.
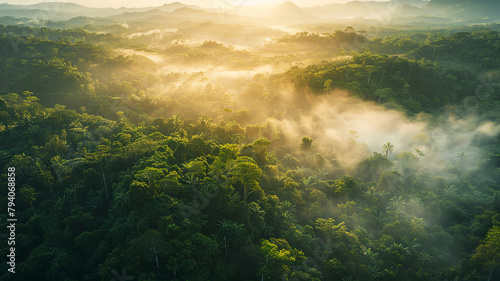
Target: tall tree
<point x="387" y="148"/>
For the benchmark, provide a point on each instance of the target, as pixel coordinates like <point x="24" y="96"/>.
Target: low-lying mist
<point x="345" y="129"/>
<point x="229" y="85"/>
<point x="349" y="130"/>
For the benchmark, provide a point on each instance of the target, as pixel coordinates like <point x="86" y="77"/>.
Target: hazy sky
<point x="205" y="3"/>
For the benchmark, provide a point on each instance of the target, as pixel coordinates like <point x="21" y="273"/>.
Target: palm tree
<point x="396" y="204"/>
<point x="288" y="206"/>
<point x="461" y="211"/>
<point x="415" y="205"/>
<point x="234" y="196"/>
<point x="301" y="170"/>
<point x="388" y="148"/>
<point x="412" y="245"/>
<point x="288" y="216"/>
<point x="461" y="157"/>
<point x="401" y="249"/>
<point x="255" y="208"/>
<point x="276" y="217"/>
<point x="425" y="259"/>
<point x="374" y="271"/>
<point x="58" y="164"/>
<point x="287" y="211"/>
<point x="268" y="231"/>
<point x="322" y="172"/>
<point x="94" y="203"/>
<point x="176" y="121"/>
<point x="372" y="256"/>
<point x="238" y="234"/>
<point x="72" y="190"/>
<point x="224" y="230"/>
<point x="65" y="200"/>
<point x="307" y="182"/>
<point x="121" y="199"/>
<point x="232" y="232"/>
<point x="191" y="180"/>
<point x="450" y="192"/>
<point x="379" y="218"/>
<point x="417" y="225"/>
<point x="370" y="194"/>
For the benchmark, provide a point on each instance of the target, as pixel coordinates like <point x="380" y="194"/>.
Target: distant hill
<point x="285" y="14"/>
<point x="414" y="3"/>
<point x="36" y="14"/>
<point x="289" y="12"/>
<point x="465" y="9"/>
<point x="353" y="9"/>
<point x="69" y="8"/>
<point x="409" y="11"/>
<point x="445" y="3"/>
<point x="7" y="20"/>
<point x="190" y="12"/>
<point x="170" y="7"/>
<point x="139" y="16"/>
<point x="82" y="21"/>
<point x="178" y="16"/>
<point x="54" y="10"/>
<point x="454" y="9"/>
<point x="67" y="11"/>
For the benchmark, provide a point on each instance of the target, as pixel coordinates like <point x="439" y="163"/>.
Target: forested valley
<point x="312" y="156"/>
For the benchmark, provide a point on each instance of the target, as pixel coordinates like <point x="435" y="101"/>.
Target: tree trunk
<point x="52" y="192"/>
<point x="104" y="179"/>
<point x="156" y="257"/>
<point x="267" y="259"/>
<point x="491" y="271"/>
<point x="246" y="193"/>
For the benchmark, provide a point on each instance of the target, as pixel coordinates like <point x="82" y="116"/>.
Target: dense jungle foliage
<point x="130" y="165"/>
